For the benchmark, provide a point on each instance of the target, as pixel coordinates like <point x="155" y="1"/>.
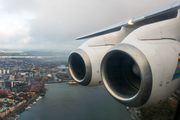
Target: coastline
<point x="16" y="113"/>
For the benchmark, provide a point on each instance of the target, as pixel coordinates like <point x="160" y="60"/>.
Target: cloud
<point x="44" y="24"/>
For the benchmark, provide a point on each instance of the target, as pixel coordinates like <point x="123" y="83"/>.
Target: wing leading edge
<point x="161" y="14"/>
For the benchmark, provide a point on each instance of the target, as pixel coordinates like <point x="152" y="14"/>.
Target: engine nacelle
<point x="144" y="69"/>
<point x="84" y="63"/>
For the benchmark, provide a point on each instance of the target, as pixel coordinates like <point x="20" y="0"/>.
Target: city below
<point x="23" y="80"/>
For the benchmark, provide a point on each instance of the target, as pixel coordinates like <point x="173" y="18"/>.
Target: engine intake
<point x="80" y="67"/>
<point x="127" y="75"/>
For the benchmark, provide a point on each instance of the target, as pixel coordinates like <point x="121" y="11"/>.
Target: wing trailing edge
<point x="157" y="15"/>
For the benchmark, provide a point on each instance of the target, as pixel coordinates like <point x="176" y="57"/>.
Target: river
<point x="74" y="102"/>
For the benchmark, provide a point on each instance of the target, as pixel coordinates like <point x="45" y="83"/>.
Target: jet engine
<point x="84" y="65"/>
<point x="138" y="60"/>
<point x="144" y="69"/>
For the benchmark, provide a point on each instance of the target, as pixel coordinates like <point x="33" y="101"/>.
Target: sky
<point x="54" y="24"/>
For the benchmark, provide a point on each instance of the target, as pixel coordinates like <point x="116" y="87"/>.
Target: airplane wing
<point x="161" y="14"/>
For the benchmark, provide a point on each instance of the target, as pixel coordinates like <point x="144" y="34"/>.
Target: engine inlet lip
<point x="143" y="94"/>
<point x="88" y="68"/>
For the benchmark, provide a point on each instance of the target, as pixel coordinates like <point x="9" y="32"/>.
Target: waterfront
<point x="74" y="102"/>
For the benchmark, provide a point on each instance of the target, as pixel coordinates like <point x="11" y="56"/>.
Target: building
<point x="28" y="94"/>
<point x="7" y="71"/>
<point x="4" y="71"/>
<point x="2" y="83"/>
<point x="4" y="111"/>
<point x="63" y="68"/>
<point x="11" y="77"/>
<point x="36" y="88"/>
<point x="9" y="83"/>
<point x="3" y="91"/>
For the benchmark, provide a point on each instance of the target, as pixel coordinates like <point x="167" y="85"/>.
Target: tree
<point x="13" y="115"/>
<point x="14" y="96"/>
<point x="1" y="104"/>
<point x="164" y="111"/>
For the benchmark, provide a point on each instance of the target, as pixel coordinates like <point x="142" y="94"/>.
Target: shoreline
<point x="23" y="107"/>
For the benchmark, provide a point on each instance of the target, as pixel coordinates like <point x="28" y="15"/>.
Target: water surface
<point x="74" y="102"/>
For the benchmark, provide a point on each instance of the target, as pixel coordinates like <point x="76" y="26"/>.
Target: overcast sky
<point x="54" y="24"/>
